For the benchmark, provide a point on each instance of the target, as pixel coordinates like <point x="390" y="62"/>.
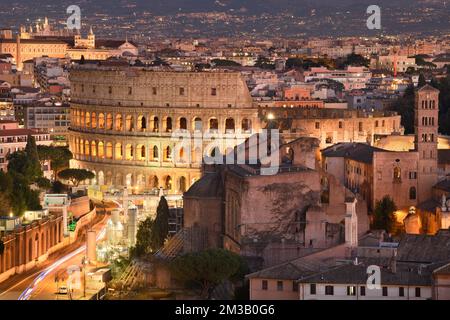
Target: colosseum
<point x="124" y="120"/>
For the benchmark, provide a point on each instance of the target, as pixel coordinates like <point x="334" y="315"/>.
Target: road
<point x="39" y="284"/>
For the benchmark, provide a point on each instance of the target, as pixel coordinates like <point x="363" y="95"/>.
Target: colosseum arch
<point x="168" y="153"/>
<point x="155" y="153"/>
<point x="86" y="147"/>
<point x="141" y="152"/>
<point x="101" y="121"/>
<point x="142" y="123"/>
<point x="129" y="180"/>
<point x="118" y="151"/>
<point x="119" y="179"/>
<point x="118" y="123"/>
<point x="182" y="123"/>
<point x="101" y="178"/>
<point x="101" y="150"/>
<point x="182" y="184"/>
<point x="155" y="182"/>
<point x="82" y="119"/>
<point x="129" y="124"/>
<point x="109" y="121"/>
<point x="94" y="120"/>
<point x="154" y="127"/>
<point x="109" y="150"/>
<point x="197" y="124"/>
<point x="109" y="178"/>
<point x="168" y="124"/>
<point x="81" y="141"/>
<point x="168" y="182"/>
<point x="213" y="124"/>
<point x="88" y="120"/>
<point x="246" y="125"/>
<point x="129" y="152"/>
<point x="94" y="149"/>
<point x="229" y="125"/>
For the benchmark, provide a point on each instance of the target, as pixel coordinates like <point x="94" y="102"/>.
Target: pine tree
<point x="161" y="226"/>
<point x="33" y="169"/>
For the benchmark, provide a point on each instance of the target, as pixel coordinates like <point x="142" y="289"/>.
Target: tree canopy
<point x="384" y="217"/>
<point x="225" y="63"/>
<point x="59" y="157"/>
<point x="143" y="238"/>
<point x="76" y="176"/>
<point x="160" y="230"/>
<point x="207" y="268"/>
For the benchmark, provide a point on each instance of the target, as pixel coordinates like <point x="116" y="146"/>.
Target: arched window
<point x="109" y="153"/>
<point x="101" y="151"/>
<point x="142" y="123"/>
<point x="129" y="123"/>
<point x="168" y="183"/>
<point x="213" y="124"/>
<point x="93" y="148"/>
<point x="182" y="184"/>
<point x="198" y="125"/>
<point x="246" y="125"/>
<point x="109" y="121"/>
<point x="397" y="173"/>
<point x="155" y="153"/>
<point x="412" y="193"/>
<point x="86" y="147"/>
<point x="129" y="152"/>
<point x="168" y="153"/>
<point x="155" y="124"/>
<point x="118" y="151"/>
<point x="101" y="121"/>
<point x="155" y="182"/>
<point x="229" y="125"/>
<point x="119" y="124"/>
<point x="141" y="152"/>
<point x="183" y="123"/>
<point x="168" y="124"/>
<point x="94" y="120"/>
<point x="88" y="120"/>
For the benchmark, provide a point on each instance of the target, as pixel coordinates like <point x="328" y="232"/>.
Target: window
<point x="360" y="126"/>
<point x="130" y="91"/>
<point x="385" y="291"/>
<point x="312" y="288"/>
<point x="294" y="286"/>
<point x="412" y="193"/>
<point x="340" y="124"/>
<point x="417" y="292"/>
<point x="154" y="91"/>
<point x="401" y="291"/>
<point x="264" y="285"/>
<point x="363" y="291"/>
<point x="351" y="291"/>
<point x="317" y="125"/>
<point x="329" y="290"/>
<point x="181" y="91"/>
<point x="109" y="90"/>
<point x="214" y="91"/>
<point x="412" y="175"/>
<point x="279" y="285"/>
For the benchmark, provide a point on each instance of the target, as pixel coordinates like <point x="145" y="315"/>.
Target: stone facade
<point x="30" y="244"/>
<point x="124" y="120"/>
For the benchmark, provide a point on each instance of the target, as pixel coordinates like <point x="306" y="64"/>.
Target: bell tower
<point x="426" y="139"/>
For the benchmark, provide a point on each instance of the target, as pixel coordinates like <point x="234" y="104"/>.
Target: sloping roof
<point x="443" y="185"/>
<point x="406" y="274"/>
<point x="360" y="152"/>
<point x="425" y="248"/>
<point x="208" y="186"/>
<point x="17" y="132"/>
<point x="427" y="87"/>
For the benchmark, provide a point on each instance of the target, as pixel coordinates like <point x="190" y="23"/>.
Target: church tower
<point x="426" y="139"/>
<point x="91" y="39"/>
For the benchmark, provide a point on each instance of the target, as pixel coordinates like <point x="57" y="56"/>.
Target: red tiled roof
<point x="17" y="132"/>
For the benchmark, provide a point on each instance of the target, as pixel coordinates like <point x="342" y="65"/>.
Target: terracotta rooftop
<point x="360" y="152"/>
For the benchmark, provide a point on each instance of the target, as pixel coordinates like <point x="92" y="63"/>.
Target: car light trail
<point x="25" y="295"/>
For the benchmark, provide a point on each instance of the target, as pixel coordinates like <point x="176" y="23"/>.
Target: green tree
<point x="143" y="238"/>
<point x="264" y="63"/>
<point x="384" y="217"/>
<point x="356" y="60"/>
<point x="76" y="176"/>
<point x="34" y="170"/>
<point x="207" y="268"/>
<point x="59" y="157"/>
<point x="225" y="63"/>
<point x="160" y="229"/>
